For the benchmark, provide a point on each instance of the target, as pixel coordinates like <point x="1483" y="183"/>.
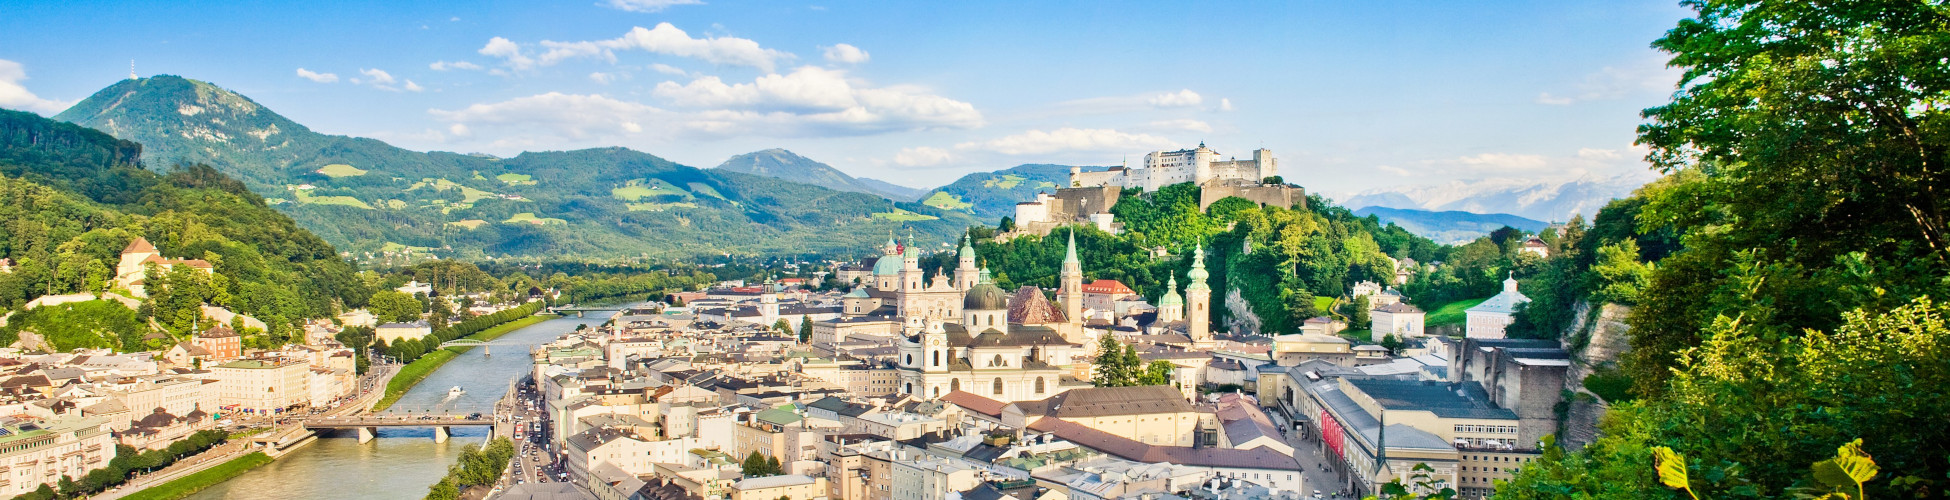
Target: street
<point x="527" y="424"/>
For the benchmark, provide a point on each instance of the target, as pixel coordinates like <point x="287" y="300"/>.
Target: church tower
<point x="1071" y="292"/>
<point x="934" y="348"/>
<point x="911" y="278"/>
<point x="768" y="302"/>
<point x="966" y="276"/>
<point x="1198" y="301"/>
<point x="1171" y="307"/>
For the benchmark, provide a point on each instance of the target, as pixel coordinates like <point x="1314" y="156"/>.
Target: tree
<point x="782" y="325"/>
<point x="1008" y="224"/>
<point x="1158" y="373"/>
<point x="1112" y="369"/>
<point x="1618" y="275"/>
<point x="392" y="306"/>
<point x="1391" y="342"/>
<point x="805" y="328"/>
<point x="443" y="490"/>
<point x="756" y="465"/>
<point x="1357" y="317"/>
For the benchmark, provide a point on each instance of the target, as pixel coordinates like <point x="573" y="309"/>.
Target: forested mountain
<point x="1449" y="226"/>
<point x="367" y="196"/>
<point x="781" y="164"/>
<point x="71" y="198"/>
<point x="994" y="195"/>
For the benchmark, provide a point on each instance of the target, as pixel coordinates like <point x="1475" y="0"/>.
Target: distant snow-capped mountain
<point x="1541" y="200"/>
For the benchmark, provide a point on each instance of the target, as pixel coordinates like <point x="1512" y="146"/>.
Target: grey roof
<point x="1399" y="308"/>
<point x="1442" y="398"/>
<point x="1102" y="401"/>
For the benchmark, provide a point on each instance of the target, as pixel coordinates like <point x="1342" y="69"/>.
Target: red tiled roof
<point x="974" y="403"/>
<point x="1112" y="287"/>
<point x="1029" y="307"/>
<point x="140" y="245"/>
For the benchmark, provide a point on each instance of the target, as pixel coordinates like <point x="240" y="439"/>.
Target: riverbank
<point x="418" y="370"/>
<point x="189" y="485"/>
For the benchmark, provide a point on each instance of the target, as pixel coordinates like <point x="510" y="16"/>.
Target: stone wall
<point x="1265" y="195"/>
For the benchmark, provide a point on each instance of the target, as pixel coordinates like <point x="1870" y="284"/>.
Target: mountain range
<point x="1452" y="226"/>
<point x="1532" y="199"/>
<point x="990" y="196"/>
<point x="781" y="164"/>
<point x="369" y="197"/>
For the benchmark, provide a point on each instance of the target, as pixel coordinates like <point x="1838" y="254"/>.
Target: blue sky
<point x="1349" y="95"/>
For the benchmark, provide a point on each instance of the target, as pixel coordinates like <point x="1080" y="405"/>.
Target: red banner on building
<point x="1331" y="433"/>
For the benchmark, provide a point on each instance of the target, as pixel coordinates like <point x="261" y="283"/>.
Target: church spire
<point x="1198" y="274"/>
<point x="1070" y="254"/>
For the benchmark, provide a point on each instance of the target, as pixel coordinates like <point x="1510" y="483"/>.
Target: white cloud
<point x="569" y="115"/>
<point x="455" y="18"/>
<point x="825" y="95"/>
<point x="922" y="156"/>
<point x="1598" y="154"/>
<point x="787" y="108"/>
<point x="13" y="95"/>
<point x="1177" y="99"/>
<point x="668" y="69"/>
<point x="1393" y="170"/>
<point x="508" y="51"/>
<point x="1035" y="142"/>
<point x="648" y="5"/>
<point x="1225" y="104"/>
<point x="446" y="65"/>
<point x="1185" y="124"/>
<point x="413" y="87"/>
<point x="1128" y="103"/>
<point x="844" y="53"/>
<point x="377" y="76"/>
<point x="602" y="78"/>
<point x="1505" y="162"/>
<point x="317" y="77"/>
<point x="1618" y="82"/>
<point x="663" y="39"/>
<point x="459" y="130"/>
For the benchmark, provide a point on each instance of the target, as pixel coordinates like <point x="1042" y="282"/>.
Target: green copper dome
<point x="985" y="296"/>
<point x="1171" y="297"/>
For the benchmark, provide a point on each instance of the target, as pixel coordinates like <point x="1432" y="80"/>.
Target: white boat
<point x="456" y="391"/>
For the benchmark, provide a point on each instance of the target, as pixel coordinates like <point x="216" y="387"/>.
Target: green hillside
<point x="72" y="198"/>
<point x="993" y="195"/>
<point x="366" y="196"/>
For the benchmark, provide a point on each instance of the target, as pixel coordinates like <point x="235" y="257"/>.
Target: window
<point x="937" y="358"/>
<point x="998" y="386"/>
<point x="954" y="384"/>
<point x="998" y="361"/>
<point x="1039" y="385"/>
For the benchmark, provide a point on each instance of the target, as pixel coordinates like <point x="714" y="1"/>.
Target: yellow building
<point x="1155" y="415"/>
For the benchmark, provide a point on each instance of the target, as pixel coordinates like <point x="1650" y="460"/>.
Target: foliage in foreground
<point x="188" y="485"/>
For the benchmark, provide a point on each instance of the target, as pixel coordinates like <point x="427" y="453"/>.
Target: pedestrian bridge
<point x="366" y="424"/>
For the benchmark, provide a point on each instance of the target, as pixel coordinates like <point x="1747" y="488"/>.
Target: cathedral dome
<point x="888" y="265"/>
<point x="985" y="296"/>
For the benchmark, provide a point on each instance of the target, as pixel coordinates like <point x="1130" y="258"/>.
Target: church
<point x="1011" y="347"/>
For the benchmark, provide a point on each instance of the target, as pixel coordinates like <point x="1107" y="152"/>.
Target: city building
<point x="1398" y="319"/>
<point x="133" y="271"/>
<point x="1488" y="319"/>
<point x="262" y="385"/>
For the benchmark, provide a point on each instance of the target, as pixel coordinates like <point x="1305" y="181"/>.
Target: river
<point x="403" y="462"/>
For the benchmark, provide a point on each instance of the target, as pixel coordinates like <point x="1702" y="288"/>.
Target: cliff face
<point x="1595" y="342"/>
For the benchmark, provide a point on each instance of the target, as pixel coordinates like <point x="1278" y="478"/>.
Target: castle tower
<point x="1202" y="164"/>
<point x="1198" y="301"/>
<point x="966" y="276"/>
<point x="1071" y="293"/>
<point x="1171" y="307"/>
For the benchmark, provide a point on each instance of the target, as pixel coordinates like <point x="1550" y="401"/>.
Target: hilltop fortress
<point x="1090" y="195"/>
